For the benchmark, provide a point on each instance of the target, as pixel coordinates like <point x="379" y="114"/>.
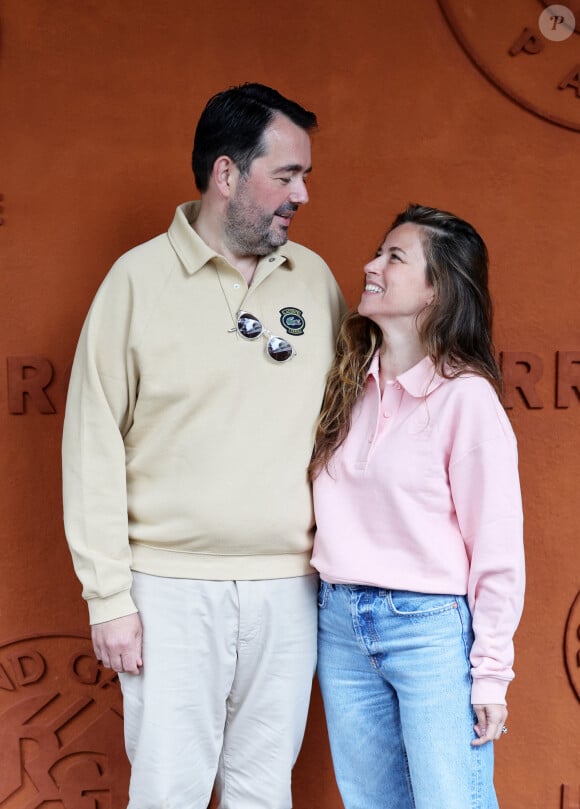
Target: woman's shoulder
<point x="471" y="397"/>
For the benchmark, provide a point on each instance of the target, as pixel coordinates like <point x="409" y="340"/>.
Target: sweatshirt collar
<point x="194" y="253"/>
<point x="419" y="381"/>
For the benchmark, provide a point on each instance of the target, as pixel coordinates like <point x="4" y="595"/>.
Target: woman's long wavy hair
<point x="455" y="329"/>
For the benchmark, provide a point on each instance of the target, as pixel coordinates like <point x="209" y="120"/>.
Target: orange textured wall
<point x="416" y="103"/>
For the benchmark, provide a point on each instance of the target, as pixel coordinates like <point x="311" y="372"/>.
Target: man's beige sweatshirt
<point x="185" y="446"/>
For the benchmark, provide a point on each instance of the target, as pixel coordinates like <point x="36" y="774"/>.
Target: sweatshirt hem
<point x="213" y="567"/>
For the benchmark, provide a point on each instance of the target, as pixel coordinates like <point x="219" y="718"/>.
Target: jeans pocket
<point x="403" y="602"/>
<point x="323" y="595"/>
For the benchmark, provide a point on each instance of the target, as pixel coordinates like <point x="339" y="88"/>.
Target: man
<point x="196" y="385"/>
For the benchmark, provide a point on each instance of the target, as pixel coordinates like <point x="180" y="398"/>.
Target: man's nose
<point x="299" y="195"/>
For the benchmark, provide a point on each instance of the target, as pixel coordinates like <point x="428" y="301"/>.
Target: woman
<point x="419" y="528"/>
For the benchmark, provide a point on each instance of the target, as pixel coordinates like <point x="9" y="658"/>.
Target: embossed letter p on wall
<point x="61" y="737"/>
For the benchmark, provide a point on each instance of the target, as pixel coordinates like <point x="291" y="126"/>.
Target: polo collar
<point x="194" y="253"/>
<point x="419" y="381"/>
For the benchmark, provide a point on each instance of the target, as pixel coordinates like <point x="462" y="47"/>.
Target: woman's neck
<point x="397" y="354"/>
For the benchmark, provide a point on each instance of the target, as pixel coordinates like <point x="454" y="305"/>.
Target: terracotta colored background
<point x="98" y="105"/>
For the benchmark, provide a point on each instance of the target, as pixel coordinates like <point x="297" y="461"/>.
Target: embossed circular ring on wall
<point x="504" y="41"/>
<point x="61" y="730"/>
<point x="572" y="646"/>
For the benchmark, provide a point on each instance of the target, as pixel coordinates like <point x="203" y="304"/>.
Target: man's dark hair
<point x="233" y="124"/>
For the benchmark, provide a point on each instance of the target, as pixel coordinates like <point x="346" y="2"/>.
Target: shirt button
<point x="236" y="286"/>
<point x="386" y="415"/>
<point x="397" y="386"/>
<point x="272" y="259"/>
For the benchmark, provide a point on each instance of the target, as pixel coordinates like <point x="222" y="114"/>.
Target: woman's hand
<point x="490" y="723"/>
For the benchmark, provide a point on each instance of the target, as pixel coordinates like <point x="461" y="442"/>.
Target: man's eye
<point x="284" y="180"/>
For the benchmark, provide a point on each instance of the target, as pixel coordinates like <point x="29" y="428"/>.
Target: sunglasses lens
<point x="249" y="327"/>
<point x="279" y="349"/>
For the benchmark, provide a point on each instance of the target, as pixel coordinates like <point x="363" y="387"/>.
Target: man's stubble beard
<point x="248" y="238"/>
<point x="248" y="228"/>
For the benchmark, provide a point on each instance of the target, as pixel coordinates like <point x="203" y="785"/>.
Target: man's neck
<point x="214" y="237"/>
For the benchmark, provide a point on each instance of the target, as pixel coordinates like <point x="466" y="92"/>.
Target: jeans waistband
<point x="374" y="589"/>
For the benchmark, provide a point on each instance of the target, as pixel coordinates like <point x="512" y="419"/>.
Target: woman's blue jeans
<point x="394" y="671"/>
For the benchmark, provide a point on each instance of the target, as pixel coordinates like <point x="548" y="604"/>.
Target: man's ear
<point x="225" y="175"/>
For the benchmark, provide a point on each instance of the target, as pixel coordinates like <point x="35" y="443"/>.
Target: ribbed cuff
<point x="107" y="609"/>
<point x="489" y="691"/>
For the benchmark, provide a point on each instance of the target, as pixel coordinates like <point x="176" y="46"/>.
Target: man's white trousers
<point x="224" y="691"/>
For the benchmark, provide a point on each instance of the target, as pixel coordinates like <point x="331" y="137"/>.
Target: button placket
<point x="266" y="266"/>
<point x="389" y="407"/>
<point x="371" y="429"/>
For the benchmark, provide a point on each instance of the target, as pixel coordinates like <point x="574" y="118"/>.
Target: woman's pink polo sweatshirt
<point x="424" y="496"/>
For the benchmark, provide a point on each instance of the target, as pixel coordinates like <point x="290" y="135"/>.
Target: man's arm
<point x="99" y="412"/>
